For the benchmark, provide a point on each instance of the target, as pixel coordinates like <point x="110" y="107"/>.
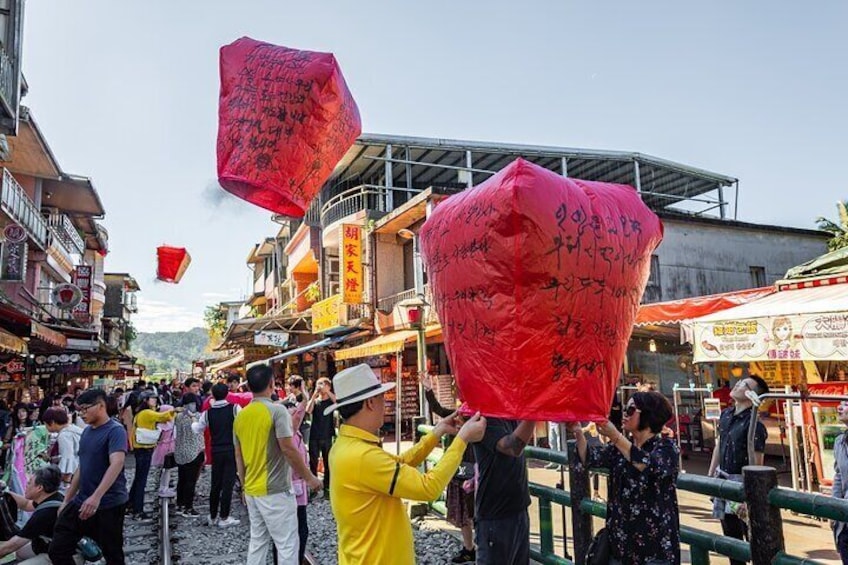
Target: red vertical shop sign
<point x="82" y="278"/>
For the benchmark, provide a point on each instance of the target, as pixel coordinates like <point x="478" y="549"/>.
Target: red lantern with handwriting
<point x="172" y="263"/>
<point x="285" y="118"/>
<point x="537" y="279"/>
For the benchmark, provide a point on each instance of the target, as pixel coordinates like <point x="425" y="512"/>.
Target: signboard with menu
<point x="807" y="337"/>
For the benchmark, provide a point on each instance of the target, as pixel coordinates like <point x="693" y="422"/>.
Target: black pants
<point x="302" y="531"/>
<point x="106" y="528"/>
<point x="223" y="479"/>
<point x="320" y="446"/>
<point x="505" y="541"/>
<point x="187" y="476"/>
<point x="732" y="526"/>
<point x="142" y="469"/>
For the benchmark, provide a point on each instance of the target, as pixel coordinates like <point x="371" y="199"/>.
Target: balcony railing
<point x="16" y="203"/>
<point x="388" y="303"/>
<point x="359" y="198"/>
<point x="354" y="313"/>
<point x="66" y="232"/>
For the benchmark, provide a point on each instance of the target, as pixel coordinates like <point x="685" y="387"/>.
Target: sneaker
<point x="191" y="513"/>
<point x="143" y="516"/>
<point x="227" y="522"/>
<point x="465" y="556"/>
<point x="210" y="521"/>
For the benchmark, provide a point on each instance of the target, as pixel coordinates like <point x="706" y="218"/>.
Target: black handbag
<point x="465" y="471"/>
<point x="599" y="550"/>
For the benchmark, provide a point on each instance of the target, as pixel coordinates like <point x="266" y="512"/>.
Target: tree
<point x="838" y="232"/>
<point x="215" y="318"/>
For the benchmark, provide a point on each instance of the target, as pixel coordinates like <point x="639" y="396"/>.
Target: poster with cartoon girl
<point x="781" y="331"/>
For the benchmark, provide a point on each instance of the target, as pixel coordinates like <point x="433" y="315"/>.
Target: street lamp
<point x="415" y="313"/>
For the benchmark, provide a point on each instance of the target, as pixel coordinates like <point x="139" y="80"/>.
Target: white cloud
<point x="158" y="316"/>
<point x="214" y="295"/>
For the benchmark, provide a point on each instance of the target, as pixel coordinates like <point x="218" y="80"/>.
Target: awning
<point x="675" y="311"/>
<point x="47" y="335"/>
<point x="245" y="328"/>
<point x="226" y="364"/>
<point x="801" y="324"/>
<point x="326" y="342"/>
<point x="11" y="343"/>
<point x="380" y="345"/>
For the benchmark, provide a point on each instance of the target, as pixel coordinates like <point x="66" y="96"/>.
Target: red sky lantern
<point x="172" y="263"/>
<point x="285" y="118"/>
<point x="537" y="279"/>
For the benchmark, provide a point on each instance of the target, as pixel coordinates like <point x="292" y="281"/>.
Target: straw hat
<point x="355" y="384"/>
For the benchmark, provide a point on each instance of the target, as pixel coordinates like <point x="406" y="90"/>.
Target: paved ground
<point x="805" y="537"/>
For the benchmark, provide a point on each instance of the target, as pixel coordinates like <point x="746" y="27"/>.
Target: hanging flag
<point x="537" y="279"/>
<point x="173" y="262"/>
<point x="285" y="118"/>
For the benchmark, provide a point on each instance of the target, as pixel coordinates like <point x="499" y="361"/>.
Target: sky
<point x="127" y="92"/>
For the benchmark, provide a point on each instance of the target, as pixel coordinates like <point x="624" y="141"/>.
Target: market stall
<point x="796" y="339"/>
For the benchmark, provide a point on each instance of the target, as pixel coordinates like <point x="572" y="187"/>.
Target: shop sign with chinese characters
<point x="82" y="279"/>
<point x="14" y="253"/>
<point x="810" y="337"/>
<point x="325" y="314"/>
<point x="350" y="258"/>
<point x="47" y="364"/>
<point x="271" y="337"/>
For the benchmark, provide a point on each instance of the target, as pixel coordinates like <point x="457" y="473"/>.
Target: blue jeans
<point x="142" y="469"/>
<point x="842" y="545"/>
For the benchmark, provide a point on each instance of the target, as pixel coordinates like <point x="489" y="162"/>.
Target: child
<point x="163" y="455"/>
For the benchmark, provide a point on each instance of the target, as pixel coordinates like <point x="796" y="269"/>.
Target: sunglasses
<point x="630" y="410"/>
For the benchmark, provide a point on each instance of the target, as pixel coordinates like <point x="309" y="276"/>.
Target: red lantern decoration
<point x="537" y="279"/>
<point x="172" y="263"/>
<point x="285" y="118"/>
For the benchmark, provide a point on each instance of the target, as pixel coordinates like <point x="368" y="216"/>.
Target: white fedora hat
<point x="355" y="384"/>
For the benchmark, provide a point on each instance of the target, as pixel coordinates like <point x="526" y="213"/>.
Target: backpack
<point x="86" y="547"/>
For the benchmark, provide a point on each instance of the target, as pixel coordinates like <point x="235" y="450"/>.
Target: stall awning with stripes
<point x="380" y="345"/>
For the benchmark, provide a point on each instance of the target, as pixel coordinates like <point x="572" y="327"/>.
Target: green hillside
<point x="166" y="352"/>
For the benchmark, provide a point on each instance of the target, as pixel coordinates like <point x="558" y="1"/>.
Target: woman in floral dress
<point x="642" y="515"/>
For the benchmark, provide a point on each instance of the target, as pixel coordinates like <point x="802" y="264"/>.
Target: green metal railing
<point x="759" y="489"/>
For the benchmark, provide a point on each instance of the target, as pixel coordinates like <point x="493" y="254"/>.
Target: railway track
<point x="167" y="554"/>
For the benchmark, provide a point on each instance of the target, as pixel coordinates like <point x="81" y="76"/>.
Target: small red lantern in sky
<point x="172" y="263"/>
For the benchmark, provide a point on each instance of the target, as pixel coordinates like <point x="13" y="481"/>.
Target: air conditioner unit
<point x="335" y="288"/>
<point x="333" y="266"/>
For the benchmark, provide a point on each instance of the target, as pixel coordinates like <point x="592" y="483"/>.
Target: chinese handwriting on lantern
<point x="351" y="258"/>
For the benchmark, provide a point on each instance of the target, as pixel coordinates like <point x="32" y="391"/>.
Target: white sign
<point x="66" y="296"/>
<point x="272" y="338"/>
<point x="810" y="337"/>
<point x="712" y="409"/>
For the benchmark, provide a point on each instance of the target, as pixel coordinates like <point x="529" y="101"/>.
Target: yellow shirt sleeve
<point x="415" y="455"/>
<point x="387" y="474"/>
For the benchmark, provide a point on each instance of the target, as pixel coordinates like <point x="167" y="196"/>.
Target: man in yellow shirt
<point x="368" y="483"/>
<point x="265" y="455"/>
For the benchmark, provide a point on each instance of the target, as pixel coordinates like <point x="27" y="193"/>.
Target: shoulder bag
<point x="599" y="550"/>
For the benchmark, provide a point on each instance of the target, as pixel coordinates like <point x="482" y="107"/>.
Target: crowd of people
<point x="280" y="445"/>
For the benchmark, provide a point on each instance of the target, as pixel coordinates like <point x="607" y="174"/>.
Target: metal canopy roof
<point x="419" y="163"/>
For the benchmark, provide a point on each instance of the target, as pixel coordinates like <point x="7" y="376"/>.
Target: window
<point x="758" y="276"/>
<point x="653" y="291"/>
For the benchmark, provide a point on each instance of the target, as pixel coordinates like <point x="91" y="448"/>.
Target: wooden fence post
<point x="581" y="522"/>
<point x="766" y="533"/>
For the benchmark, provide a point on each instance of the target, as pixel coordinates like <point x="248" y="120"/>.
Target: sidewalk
<point x="804" y="537"/>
